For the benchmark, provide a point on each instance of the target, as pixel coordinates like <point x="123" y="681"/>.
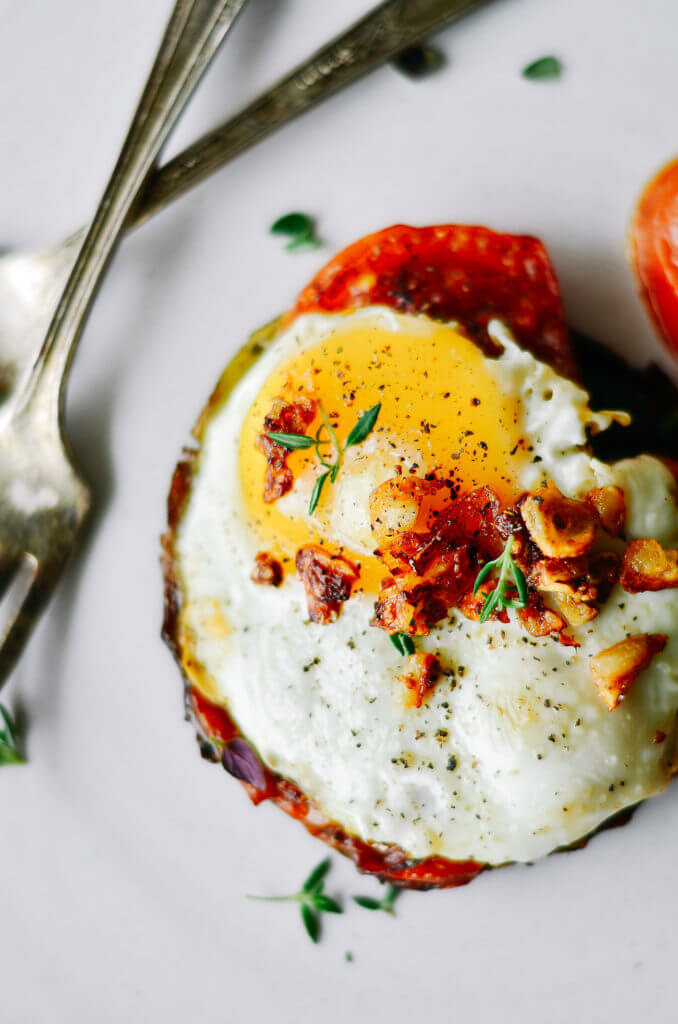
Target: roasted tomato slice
<point x="387" y="862"/>
<point x="452" y="272"/>
<point x="654" y="251"/>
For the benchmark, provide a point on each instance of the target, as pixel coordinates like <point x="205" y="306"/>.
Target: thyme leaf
<point x="299" y="228"/>
<point x="317" y="490"/>
<point x="386" y="905"/>
<point x="543" y="70"/>
<point x="315" y="880"/>
<point x="403" y="643"/>
<point x="311" y="922"/>
<point x="292" y="441"/>
<point x="363" y="427"/>
<point x="326" y="904"/>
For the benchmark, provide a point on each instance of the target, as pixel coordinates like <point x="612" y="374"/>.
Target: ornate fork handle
<point x="381" y="34"/>
<point x="193" y="34"/>
<point x="377" y="37"/>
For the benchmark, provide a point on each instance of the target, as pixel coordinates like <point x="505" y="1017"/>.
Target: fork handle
<point x="381" y="34"/>
<point x="192" y="36"/>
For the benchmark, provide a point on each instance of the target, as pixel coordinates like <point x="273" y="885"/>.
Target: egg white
<point x="515" y="753"/>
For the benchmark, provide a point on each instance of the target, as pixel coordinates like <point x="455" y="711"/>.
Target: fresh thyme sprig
<point x="313" y="902"/>
<point x="295" y="442"/>
<point x="9" y="750"/>
<point x="498" y="598"/>
<point x="403" y="643"/>
<point x="386" y="904"/>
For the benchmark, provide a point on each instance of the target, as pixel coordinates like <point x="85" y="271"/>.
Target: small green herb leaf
<point x="9" y="750"/>
<point x="483" y="574"/>
<point x="292" y="224"/>
<point x="299" y="228"/>
<point x="316" y="878"/>
<point x="403" y="643"/>
<point x="326" y="904"/>
<point x="521" y="586"/>
<point x="292" y="441"/>
<point x="331" y="431"/>
<point x="317" y="491"/>
<point x="367" y="902"/>
<point x="363" y="427"/>
<point x="386" y="905"/>
<point x="543" y="70"/>
<point x="418" y="60"/>
<point x="489" y="605"/>
<point x="311" y="921"/>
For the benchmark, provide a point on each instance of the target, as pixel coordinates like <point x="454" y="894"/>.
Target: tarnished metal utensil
<point x="43" y="499"/>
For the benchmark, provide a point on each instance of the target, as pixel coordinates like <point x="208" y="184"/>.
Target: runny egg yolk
<point x="442" y="412"/>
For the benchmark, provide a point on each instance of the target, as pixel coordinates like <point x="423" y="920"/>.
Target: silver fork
<point x="31" y="282"/>
<point x="43" y="498"/>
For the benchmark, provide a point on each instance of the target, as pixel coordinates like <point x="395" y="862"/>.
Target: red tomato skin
<point x="654" y="252"/>
<point x="452" y="272"/>
<point x="386" y="862"/>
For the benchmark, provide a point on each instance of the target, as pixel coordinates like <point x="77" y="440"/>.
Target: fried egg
<point x="513" y="754"/>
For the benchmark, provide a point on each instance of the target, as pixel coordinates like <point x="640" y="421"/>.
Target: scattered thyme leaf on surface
<point x="313" y="902"/>
<point x="299" y="228"/>
<point x="403" y="643"/>
<point x="385" y="905"/>
<point x="9" y="748"/>
<point x="498" y="599"/>
<point x="543" y="70"/>
<point x="294" y="442"/>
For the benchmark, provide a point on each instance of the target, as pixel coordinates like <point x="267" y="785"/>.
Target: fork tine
<point x="25" y="615"/>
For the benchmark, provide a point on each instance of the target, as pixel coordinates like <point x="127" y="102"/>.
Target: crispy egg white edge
<point x="514" y="754"/>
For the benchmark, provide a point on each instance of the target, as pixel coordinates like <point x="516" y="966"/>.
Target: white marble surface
<point x="124" y="859"/>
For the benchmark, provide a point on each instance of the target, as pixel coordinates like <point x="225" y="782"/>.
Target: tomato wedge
<point x="452" y="272"/>
<point x="654" y="252"/>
